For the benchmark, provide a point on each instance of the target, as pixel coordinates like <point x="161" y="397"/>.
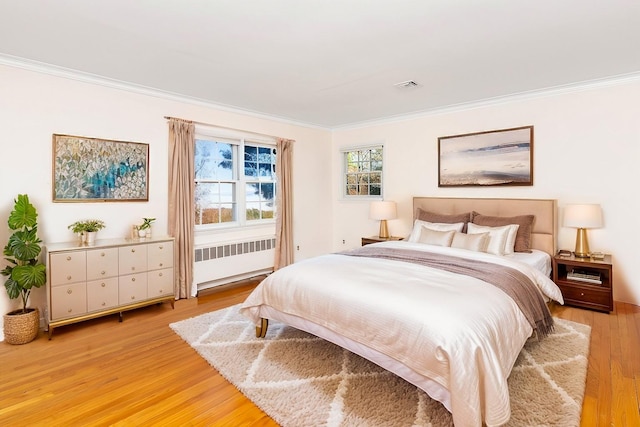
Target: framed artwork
<point x="495" y="157"/>
<point x="99" y="170"/>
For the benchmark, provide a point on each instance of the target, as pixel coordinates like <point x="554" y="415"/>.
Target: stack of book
<point x="584" y="276"/>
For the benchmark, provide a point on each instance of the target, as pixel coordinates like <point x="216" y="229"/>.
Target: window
<point x="234" y="181"/>
<point x="363" y="172"/>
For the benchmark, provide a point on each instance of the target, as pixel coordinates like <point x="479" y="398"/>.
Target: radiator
<point x="220" y="263"/>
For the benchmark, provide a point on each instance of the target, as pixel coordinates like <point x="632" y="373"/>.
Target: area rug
<point x="301" y="380"/>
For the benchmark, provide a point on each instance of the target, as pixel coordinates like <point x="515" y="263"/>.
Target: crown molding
<point x="81" y="76"/>
<point x="499" y="100"/>
<point x="54" y="70"/>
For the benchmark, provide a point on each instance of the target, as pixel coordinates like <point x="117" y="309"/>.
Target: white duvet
<point x="460" y="332"/>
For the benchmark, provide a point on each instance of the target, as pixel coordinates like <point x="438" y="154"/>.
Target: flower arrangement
<point x="88" y="225"/>
<point x="146" y="223"/>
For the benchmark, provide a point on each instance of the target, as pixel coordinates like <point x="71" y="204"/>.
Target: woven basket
<point x="21" y="328"/>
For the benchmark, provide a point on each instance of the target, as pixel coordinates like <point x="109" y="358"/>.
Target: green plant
<point x="87" y="225"/>
<point x="146" y="223"/>
<point x="22" y="251"/>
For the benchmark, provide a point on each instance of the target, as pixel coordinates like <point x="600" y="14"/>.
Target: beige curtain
<point x="181" y="201"/>
<point x="284" y="206"/>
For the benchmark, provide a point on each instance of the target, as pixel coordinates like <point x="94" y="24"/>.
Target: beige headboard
<point x="545" y="224"/>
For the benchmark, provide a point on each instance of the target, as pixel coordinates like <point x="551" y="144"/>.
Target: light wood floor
<point x="140" y="372"/>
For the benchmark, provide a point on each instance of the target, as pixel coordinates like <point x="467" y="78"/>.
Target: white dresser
<point x="111" y="276"/>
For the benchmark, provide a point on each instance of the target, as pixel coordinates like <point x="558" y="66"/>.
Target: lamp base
<point x="384" y="231"/>
<point x="582" y="244"/>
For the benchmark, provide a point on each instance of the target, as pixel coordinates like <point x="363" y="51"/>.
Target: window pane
<point x="363" y="172"/>
<point x="250" y="169"/>
<point x="265" y="171"/>
<point x="210" y="206"/>
<point x="213" y="160"/>
<point x="250" y="153"/>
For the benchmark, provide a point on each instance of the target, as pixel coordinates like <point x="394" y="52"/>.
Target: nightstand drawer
<point x="583" y="296"/>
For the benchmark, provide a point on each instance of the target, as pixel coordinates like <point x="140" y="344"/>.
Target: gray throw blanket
<point x="511" y="281"/>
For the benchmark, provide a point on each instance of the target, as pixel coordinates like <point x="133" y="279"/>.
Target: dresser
<point x="110" y="276"/>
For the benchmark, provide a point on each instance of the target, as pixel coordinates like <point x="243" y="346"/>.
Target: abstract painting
<point x="496" y="157"/>
<point x="99" y="170"/>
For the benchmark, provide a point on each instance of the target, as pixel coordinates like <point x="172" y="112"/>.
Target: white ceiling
<point x="330" y="63"/>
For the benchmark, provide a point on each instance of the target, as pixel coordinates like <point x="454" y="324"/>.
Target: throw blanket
<point x="512" y="282"/>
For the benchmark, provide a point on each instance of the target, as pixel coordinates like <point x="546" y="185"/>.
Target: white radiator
<point x="220" y="263"/>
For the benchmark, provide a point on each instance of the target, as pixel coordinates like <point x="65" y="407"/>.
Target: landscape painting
<point x="497" y="157"/>
<point x="99" y="170"/>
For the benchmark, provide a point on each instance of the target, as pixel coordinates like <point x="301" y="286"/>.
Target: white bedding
<point x="455" y="336"/>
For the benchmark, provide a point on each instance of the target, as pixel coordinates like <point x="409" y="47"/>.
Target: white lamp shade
<point x="383" y="210"/>
<point x="583" y="216"/>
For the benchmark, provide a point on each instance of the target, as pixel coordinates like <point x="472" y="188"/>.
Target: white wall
<point x="35" y="105"/>
<point x="586" y="150"/>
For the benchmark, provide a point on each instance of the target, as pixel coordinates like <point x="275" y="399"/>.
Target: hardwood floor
<point x="139" y="372"/>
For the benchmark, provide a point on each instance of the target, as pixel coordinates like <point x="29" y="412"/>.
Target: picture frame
<point x="501" y="157"/>
<point x="89" y="169"/>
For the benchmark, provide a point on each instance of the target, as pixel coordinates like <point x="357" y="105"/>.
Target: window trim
<point x="343" y="170"/>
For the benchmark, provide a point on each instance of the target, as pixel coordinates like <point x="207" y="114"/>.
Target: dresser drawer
<point x="160" y="255"/>
<point x="102" y="294"/>
<point x="132" y="259"/>
<point x="160" y="283"/>
<point x="68" y="301"/>
<point x="68" y="267"/>
<point x="102" y="263"/>
<point x="132" y="288"/>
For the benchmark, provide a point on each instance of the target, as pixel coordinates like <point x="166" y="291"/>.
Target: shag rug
<point x="301" y="380"/>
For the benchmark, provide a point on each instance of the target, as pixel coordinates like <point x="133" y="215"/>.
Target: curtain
<point x="181" y="201"/>
<point x="284" y="205"/>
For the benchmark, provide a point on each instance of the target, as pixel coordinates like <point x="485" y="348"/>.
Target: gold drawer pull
<point x="68" y="277"/>
<point x="133" y="297"/>
<point x="68" y="258"/>
<point x="69" y="291"/>
<point x="103" y="272"/>
<point x="103" y="285"/>
<point x="160" y="274"/>
<point x="101" y="253"/>
<point x="160" y="291"/>
<point x="161" y="264"/>
<point x="133" y="250"/>
<point x="133" y="279"/>
<point x="161" y="247"/>
<point x="104" y="303"/>
<point x="69" y="311"/>
<point x="581" y="294"/>
<point x="133" y="269"/>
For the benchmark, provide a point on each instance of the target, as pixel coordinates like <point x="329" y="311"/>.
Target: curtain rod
<point x="221" y="127"/>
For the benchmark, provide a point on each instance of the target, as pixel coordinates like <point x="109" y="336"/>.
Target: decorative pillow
<point x="437" y="238"/>
<point x="444" y="218"/>
<point x="497" y="236"/>
<point x="472" y="242"/>
<point x="417" y="228"/>
<point x="523" y="236"/>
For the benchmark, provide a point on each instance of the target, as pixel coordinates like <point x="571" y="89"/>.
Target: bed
<point x="451" y="333"/>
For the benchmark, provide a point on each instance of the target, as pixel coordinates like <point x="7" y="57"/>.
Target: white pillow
<point x="437" y="226"/>
<point x="498" y="237"/>
<point x="472" y="242"/>
<point x="510" y="244"/>
<point x="437" y="238"/>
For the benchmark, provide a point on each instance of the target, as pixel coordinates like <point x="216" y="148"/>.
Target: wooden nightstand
<point x="580" y="293"/>
<point x="376" y="239"/>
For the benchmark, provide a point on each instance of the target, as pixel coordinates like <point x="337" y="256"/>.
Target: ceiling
<point x="330" y="63"/>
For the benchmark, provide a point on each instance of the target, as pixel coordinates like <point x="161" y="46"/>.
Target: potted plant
<point x="24" y="271"/>
<point x="144" y="229"/>
<point x="87" y="229"/>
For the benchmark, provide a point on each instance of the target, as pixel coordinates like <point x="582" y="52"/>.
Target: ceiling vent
<point x="406" y="85"/>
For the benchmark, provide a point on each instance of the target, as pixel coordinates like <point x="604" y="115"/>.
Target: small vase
<point x="90" y="237"/>
<point x="142" y="233"/>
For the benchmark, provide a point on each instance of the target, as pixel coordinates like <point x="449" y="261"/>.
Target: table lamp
<point x="383" y="210"/>
<point x="582" y="217"/>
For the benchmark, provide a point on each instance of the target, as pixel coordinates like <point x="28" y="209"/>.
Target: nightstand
<point x="583" y="291"/>
<point x="376" y="239"/>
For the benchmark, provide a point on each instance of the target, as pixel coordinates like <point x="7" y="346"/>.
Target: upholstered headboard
<point x="545" y="225"/>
